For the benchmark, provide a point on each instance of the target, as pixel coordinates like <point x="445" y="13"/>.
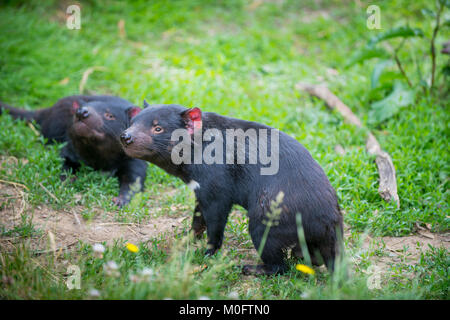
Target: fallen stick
<point x="76" y="218"/>
<point x="386" y="170"/>
<point x="14" y="184"/>
<point x="55" y="249"/>
<point x="86" y="75"/>
<point x="49" y="193"/>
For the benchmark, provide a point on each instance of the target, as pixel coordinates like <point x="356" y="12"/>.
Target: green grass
<point x="226" y="58"/>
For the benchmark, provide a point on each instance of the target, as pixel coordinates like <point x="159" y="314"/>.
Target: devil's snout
<point x="82" y="113"/>
<point x="126" y="138"/>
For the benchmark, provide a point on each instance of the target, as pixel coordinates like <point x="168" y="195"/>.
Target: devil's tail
<point x="18" y="113"/>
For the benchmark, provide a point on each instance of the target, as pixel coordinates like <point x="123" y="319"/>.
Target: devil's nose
<point x="126" y="138"/>
<point x="82" y="113"/>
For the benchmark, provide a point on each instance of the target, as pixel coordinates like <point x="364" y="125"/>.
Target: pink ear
<point x="75" y="107"/>
<point x="195" y="114"/>
<point x="133" y="111"/>
<point x="193" y="119"/>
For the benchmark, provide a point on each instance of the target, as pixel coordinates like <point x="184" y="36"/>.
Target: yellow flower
<point x="131" y="247"/>
<point x="305" y="269"/>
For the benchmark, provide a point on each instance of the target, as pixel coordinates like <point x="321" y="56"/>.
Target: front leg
<point x="215" y="213"/>
<point x="198" y="223"/>
<point x="71" y="162"/>
<point x="131" y="176"/>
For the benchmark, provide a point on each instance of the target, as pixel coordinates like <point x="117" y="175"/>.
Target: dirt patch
<point x="416" y="244"/>
<point x="407" y="249"/>
<point x="383" y="252"/>
<point x="67" y="227"/>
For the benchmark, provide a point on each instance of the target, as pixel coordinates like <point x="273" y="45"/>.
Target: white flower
<point x="135" y="278"/>
<point x="145" y="275"/>
<point x="112" y="265"/>
<point x="111" y="269"/>
<point x="94" y="293"/>
<point x="98" y="249"/>
<point x="147" y="272"/>
<point x="233" y="295"/>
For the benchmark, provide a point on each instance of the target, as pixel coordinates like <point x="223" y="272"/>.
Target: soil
<point x="67" y="227"/>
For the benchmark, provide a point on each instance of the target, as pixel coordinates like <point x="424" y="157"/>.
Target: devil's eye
<point x="109" y="116"/>
<point x="158" y="129"/>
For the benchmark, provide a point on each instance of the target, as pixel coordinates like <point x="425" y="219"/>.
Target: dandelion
<point x="132" y="248"/>
<point x="305" y="269"/>
<point x="98" y="249"/>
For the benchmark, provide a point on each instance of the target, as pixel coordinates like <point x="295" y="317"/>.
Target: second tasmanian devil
<point x="91" y="126"/>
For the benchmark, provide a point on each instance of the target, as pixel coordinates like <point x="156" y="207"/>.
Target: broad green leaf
<point x="428" y="13"/>
<point x="366" y="54"/>
<point x="384" y="109"/>
<point x="446" y="71"/>
<point x="378" y="70"/>
<point x="402" y="32"/>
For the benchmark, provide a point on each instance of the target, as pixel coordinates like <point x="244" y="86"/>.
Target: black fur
<point x="306" y="188"/>
<point x="92" y="137"/>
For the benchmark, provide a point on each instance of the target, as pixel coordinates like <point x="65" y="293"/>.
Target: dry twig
<point x="86" y="75"/>
<point x="49" y="193"/>
<point x="388" y="184"/>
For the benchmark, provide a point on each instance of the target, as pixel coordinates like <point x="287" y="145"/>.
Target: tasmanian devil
<point x="225" y="161"/>
<point x="91" y="126"/>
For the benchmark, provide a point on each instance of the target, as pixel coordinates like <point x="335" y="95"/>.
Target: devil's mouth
<point x="132" y="151"/>
<point x="83" y="129"/>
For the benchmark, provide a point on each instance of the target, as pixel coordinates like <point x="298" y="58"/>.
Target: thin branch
<point x="49" y="193"/>
<point x="14" y="184"/>
<point x="433" y="39"/>
<point x="399" y="65"/>
<point x="388" y="184"/>
<point x="86" y="75"/>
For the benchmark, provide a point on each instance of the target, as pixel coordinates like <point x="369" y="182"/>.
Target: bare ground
<point x="384" y="252"/>
<point x="67" y="227"/>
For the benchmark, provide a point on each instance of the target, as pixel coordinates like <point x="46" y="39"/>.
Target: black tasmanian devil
<point x="217" y="157"/>
<point x="91" y="126"/>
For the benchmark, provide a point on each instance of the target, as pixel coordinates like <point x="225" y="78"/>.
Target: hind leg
<point x="328" y="254"/>
<point x="330" y="247"/>
<point x="297" y="253"/>
<point x="272" y="255"/>
<point x="272" y="265"/>
<point x="324" y="253"/>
